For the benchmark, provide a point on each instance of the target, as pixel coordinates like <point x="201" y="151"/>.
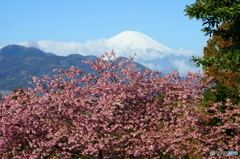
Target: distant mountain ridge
<point x="21" y="51"/>
<point x="17" y="63"/>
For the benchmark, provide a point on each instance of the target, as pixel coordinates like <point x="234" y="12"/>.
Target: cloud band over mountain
<point x="149" y="52"/>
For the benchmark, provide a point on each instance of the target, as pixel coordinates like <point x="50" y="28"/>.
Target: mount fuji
<point x="137" y="41"/>
<point x="149" y="52"/>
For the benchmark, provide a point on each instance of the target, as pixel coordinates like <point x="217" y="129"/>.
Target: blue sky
<point x="82" y="20"/>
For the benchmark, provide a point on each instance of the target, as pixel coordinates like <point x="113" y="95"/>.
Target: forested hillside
<point x="18" y="63"/>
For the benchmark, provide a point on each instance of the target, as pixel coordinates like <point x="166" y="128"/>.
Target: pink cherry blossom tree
<point x="115" y="112"/>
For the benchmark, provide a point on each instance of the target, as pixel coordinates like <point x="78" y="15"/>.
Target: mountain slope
<point x="17" y="50"/>
<point x="11" y="50"/>
<point x="17" y="63"/>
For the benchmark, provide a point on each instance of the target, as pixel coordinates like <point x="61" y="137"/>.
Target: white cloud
<point x="95" y="47"/>
<point x="151" y="58"/>
<point x="152" y="66"/>
<point x="147" y="55"/>
<point x="181" y="51"/>
<point x="181" y="65"/>
<point x="144" y="55"/>
<point x="184" y="67"/>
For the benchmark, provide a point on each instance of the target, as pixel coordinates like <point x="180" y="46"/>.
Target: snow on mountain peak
<point x="137" y="41"/>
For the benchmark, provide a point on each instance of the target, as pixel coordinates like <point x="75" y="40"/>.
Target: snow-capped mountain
<point x="149" y="52"/>
<point x="137" y="41"/>
<point x="129" y="42"/>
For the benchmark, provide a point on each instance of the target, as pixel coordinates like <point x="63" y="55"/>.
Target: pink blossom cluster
<point x="115" y="112"/>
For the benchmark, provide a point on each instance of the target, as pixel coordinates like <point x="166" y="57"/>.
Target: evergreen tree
<point x="221" y="57"/>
